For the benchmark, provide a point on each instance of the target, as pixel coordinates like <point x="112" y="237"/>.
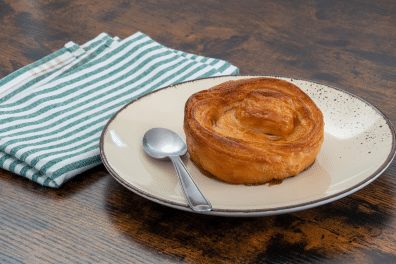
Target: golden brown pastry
<point x="252" y="131"/>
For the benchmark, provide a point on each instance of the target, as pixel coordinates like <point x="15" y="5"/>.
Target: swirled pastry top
<point x="268" y="122"/>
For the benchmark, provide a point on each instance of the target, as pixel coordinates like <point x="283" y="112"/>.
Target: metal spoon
<point x="163" y="143"/>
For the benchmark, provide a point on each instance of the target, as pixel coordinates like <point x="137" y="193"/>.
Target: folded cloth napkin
<point x="52" y="112"/>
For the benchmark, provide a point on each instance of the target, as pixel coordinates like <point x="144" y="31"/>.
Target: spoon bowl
<point x="161" y="143"/>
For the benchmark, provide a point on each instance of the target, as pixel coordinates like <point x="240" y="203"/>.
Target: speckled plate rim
<point x="253" y="212"/>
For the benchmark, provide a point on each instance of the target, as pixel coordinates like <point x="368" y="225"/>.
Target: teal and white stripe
<point x="52" y="111"/>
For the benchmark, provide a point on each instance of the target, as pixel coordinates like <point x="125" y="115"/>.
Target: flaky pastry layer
<point x="252" y="131"/>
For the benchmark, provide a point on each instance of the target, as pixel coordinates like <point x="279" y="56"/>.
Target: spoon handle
<point x="192" y="193"/>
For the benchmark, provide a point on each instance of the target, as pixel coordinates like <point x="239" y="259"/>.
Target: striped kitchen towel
<point x="52" y="112"/>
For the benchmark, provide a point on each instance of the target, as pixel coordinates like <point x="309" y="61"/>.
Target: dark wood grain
<point x="93" y="219"/>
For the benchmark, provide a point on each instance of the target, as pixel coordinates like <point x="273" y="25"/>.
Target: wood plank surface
<point x="93" y="219"/>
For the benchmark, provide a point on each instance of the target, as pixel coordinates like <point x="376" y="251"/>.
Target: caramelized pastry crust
<point x="252" y="131"/>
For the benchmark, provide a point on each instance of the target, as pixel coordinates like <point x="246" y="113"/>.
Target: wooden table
<point x="93" y="219"/>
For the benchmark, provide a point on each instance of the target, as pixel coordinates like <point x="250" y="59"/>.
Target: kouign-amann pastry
<point x="252" y="131"/>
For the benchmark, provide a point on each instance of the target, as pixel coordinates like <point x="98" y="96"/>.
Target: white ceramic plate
<point x="359" y="145"/>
